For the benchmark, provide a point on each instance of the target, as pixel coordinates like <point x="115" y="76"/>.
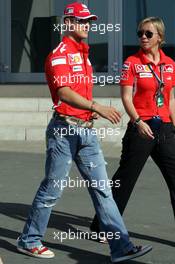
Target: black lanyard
<point x="160" y="80"/>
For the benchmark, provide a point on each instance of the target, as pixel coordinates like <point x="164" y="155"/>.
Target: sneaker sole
<point x="145" y="250"/>
<point x="34" y="255"/>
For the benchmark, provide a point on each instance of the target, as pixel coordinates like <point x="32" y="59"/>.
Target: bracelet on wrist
<point x="92" y="106"/>
<point x="136" y="122"/>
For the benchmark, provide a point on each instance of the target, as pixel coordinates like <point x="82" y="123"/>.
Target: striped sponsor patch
<point x="58" y="61"/>
<point x="77" y="68"/>
<point x="126" y="66"/>
<point x="145" y="75"/>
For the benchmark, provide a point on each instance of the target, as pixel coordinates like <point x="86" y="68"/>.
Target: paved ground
<point x="148" y="216"/>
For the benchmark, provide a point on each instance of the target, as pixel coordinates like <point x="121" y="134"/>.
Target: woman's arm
<point x="172" y="106"/>
<point x="127" y="99"/>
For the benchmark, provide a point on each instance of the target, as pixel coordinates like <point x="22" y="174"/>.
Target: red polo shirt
<point x="68" y="65"/>
<point x="136" y="73"/>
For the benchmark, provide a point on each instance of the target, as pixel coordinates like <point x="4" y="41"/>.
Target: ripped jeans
<point x="66" y="143"/>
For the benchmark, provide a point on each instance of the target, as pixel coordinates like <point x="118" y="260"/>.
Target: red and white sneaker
<point x="37" y="252"/>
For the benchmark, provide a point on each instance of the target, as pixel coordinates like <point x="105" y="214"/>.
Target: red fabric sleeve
<point x="57" y="72"/>
<point x="127" y="74"/>
<point x="173" y="77"/>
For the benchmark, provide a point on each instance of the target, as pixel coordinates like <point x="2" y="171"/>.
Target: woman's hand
<point x="145" y="130"/>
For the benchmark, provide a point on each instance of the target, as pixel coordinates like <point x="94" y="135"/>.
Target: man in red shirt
<point x="70" y="137"/>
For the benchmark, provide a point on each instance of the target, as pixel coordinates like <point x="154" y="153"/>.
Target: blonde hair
<point x="159" y="25"/>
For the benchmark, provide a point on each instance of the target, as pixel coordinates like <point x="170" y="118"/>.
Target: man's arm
<point x="74" y="99"/>
<point x="172" y="106"/>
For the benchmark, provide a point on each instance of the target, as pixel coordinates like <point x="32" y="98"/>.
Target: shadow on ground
<point x="63" y="222"/>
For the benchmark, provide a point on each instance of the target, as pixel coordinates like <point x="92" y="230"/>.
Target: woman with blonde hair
<point x="147" y="91"/>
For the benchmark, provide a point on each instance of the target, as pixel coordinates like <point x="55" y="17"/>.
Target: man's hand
<point x="74" y="99"/>
<point x="95" y="115"/>
<point x="145" y="130"/>
<point x="108" y="112"/>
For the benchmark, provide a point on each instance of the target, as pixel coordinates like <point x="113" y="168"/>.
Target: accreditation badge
<point x="160" y="100"/>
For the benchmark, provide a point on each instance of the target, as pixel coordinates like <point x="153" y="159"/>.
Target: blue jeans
<point x="66" y="143"/>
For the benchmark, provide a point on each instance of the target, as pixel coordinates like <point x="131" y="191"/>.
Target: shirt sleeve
<point x="127" y="74"/>
<point x="57" y="72"/>
<point x="173" y="77"/>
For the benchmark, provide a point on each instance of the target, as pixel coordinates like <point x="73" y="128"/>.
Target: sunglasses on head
<point x="147" y="33"/>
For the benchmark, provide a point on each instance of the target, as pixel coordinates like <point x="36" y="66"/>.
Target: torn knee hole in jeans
<point x="93" y="165"/>
<point x="50" y="202"/>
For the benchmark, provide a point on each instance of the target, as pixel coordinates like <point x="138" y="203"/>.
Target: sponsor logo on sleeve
<point x="61" y="47"/>
<point x="58" y="61"/>
<point x="75" y="59"/>
<point x="142" y="68"/>
<point x="145" y="75"/>
<point x="77" y="68"/>
<point x="168" y="68"/>
<point x="126" y="66"/>
<point x="124" y="76"/>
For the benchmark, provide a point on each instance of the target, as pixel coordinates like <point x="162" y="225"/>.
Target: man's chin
<point x="83" y="35"/>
